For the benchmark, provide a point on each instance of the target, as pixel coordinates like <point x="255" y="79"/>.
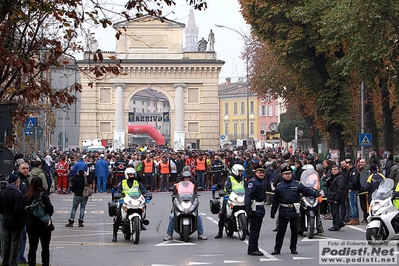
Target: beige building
<point x="152" y="57"/>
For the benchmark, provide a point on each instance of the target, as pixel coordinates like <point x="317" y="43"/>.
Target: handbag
<point x="36" y="208"/>
<point x="87" y="191"/>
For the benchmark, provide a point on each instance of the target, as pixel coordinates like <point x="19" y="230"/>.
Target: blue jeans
<point x="21" y="254"/>
<point x="164" y="177"/>
<point x="200" y="227"/>
<point x="201" y="179"/>
<point x="103" y="181"/>
<point x="76" y="201"/>
<point x="353" y="204"/>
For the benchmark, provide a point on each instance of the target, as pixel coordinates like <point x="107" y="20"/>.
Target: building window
<point x="270" y="110"/>
<point x="277" y="110"/>
<point x="235" y="129"/>
<point x="226" y="108"/>
<point x="242" y="108"/>
<point x="142" y="110"/>
<point x="235" y="108"/>
<point x="242" y="128"/>
<point x="252" y="128"/>
<point x="134" y="109"/>
<point x="226" y="128"/>
<point x="264" y="110"/>
<point x="142" y="102"/>
<point x="134" y="102"/>
<point x="193" y="127"/>
<point x="105" y="127"/>
<point x="251" y="111"/>
<point x="192" y="95"/>
<point x="105" y="95"/>
<point x="263" y="127"/>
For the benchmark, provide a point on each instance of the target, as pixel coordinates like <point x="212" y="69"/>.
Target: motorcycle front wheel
<point x="311" y="222"/>
<point x="371" y="234"/>
<point x="242" y="226"/>
<point x="186" y="232"/>
<point x="136" y="229"/>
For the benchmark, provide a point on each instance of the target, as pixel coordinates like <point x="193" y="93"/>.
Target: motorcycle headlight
<point x="135" y="203"/>
<point x="239" y="199"/>
<point x="186" y="205"/>
<point x="375" y="207"/>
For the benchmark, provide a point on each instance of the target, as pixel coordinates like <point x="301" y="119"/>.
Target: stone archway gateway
<point x="152" y="57"/>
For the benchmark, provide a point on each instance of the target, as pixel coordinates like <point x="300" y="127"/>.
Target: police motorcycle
<point x="185" y="209"/>
<point x="383" y="219"/>
<point x="309" y="204"/>
<point x="236" y="216"/>
<point x="133" y="211"/>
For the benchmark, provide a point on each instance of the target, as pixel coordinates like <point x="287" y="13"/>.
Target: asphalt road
<point x="91" y="245"/>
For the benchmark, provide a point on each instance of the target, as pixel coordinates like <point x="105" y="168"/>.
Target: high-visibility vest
<point x="164" y="168"/>
<point x="201" y="165"/>
<point x="396" y="201"/>
<point x="235" y="185"/>
<point x="148" y="167"/>
<point x="135" y="189"/>
<point x="62" y="168"/>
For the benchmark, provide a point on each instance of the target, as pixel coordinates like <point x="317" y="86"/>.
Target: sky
<point x="229" y="45"/>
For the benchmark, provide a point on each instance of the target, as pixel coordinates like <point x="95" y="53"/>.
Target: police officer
<point x="286" y="198"/>
<point x="255" y="196"/>
<point x="130" y="183"/>
<point x="233" y="182"/>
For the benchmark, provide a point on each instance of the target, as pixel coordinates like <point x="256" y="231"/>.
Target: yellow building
<point x="238" y="114"/>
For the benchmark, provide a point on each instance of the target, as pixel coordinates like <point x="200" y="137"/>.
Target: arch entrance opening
<point x="149" y="118"/>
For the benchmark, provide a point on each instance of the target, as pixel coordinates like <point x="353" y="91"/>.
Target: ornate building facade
<point x="152" y="57"/>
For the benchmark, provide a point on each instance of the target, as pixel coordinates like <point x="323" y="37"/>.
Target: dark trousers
<point x="282" y="227"/>
<point x="11" y="241"/>
<point x="149" y="181"/>
<point x="117" y="221"/>
<point x="363" y="205"/>
<point x="44" y="236"/>
<point x="337" y="220"/>
<point x="254" y="231"/>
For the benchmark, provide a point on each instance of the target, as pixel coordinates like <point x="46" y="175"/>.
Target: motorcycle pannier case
<point x="112" y="208"/>
<point x="214" y="205"/>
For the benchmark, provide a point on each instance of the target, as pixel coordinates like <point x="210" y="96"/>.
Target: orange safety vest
<point x="148" y="167"/>
<point x="164" y="168"/>
<point x="201" y="165"/>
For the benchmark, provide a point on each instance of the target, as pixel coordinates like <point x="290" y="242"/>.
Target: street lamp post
<point x="245" y="38"/>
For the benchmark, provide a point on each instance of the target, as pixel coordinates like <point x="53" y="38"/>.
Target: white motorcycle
<point x="236" y="216"/>
<point x="383" y="221"/>
<point x="133" y="213"/>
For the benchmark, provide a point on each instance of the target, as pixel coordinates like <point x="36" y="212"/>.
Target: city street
<point x="91" y="245"/>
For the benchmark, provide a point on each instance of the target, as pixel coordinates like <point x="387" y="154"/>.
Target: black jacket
<point x="33" y="224"/>
<point x="11" y="207"/>
<point x="354" y="179"/>
<point x="78" y="183"/>
<point x="338" y="189"/>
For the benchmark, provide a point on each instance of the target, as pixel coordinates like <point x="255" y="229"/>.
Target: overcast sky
<point x="228" y="45"/>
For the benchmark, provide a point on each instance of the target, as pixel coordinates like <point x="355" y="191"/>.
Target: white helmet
<point x="128" y="171"/>
<point x="236" y="168"/>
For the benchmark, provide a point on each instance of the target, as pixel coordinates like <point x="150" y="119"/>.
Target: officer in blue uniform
<point x="255" y="196"/>
<point x="286" y="196"/>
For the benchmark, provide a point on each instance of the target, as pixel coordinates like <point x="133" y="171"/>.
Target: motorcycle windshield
<point x="310" y="178"/>
<point x="134" y="193"/>
<point x="239" y="190"/>
<point x="185" y="189"/>
<point x="385" y="189"/>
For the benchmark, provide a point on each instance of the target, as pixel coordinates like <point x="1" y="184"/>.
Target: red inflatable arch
<point x="147" y="129"/>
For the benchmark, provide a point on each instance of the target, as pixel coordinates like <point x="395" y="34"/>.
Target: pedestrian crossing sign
<point x="365" y="139"/>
